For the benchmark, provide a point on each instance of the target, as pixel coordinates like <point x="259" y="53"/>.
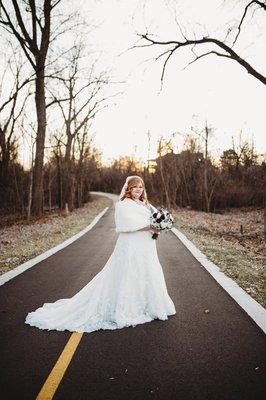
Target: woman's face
<point x="137" y="190"/>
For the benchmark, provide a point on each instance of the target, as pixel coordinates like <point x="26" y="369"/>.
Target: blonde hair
<point x="130" y="183"/>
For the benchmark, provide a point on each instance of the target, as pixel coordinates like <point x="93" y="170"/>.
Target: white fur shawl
<point x="130" y="216"/>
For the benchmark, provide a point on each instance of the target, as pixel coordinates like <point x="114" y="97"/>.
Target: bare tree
<point x="58" y="154"/>
<point x="79" y="99"/>
<point x="208" y="183"/>
<point x="147" y="171"/>
<point x="30" y="182"/>
<point x="10" y="112"/>
<point x="33" y="35"/>
<point x="164" y="175"/>
<point x="84" y="149"/>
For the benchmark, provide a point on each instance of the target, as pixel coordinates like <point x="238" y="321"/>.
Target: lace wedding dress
<point x="129" y="290"/>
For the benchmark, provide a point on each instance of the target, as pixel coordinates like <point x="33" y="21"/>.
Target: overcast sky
<point x="213" y="88"/>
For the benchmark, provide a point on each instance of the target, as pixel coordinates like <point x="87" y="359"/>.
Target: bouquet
<point x="161" y="219"/>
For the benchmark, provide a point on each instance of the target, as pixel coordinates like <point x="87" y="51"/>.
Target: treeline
<point x="66" y="182"/>
<point x="189" y="179"/>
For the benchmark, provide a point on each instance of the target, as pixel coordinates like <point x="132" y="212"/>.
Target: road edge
<point x="7" y="276"/>
<point x="255" y="310"/>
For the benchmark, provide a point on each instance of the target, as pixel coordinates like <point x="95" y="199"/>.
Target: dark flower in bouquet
<point x="162" y="220"/>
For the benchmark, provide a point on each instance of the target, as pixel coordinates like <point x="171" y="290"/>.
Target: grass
<point x="20" y="242"/>
<point x="239" y="255"/>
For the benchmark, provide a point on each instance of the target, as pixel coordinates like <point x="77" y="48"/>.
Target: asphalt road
<point x="220" y="355"/>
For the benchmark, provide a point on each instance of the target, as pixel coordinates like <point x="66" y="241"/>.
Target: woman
<point x="130" y="289"/>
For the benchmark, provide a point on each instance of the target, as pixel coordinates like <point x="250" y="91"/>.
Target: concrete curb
<point x="30" y="263"/>
<point x="246" y="302"/>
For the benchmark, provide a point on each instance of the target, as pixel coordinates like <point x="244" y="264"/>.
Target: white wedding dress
<point x="129" y="290"/>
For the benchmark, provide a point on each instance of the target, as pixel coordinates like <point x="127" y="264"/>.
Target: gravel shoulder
<point x="237" y="251"/>
<point x="21" y="242"/>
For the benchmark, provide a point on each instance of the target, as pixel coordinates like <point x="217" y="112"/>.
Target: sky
<point x="213" y="89"/>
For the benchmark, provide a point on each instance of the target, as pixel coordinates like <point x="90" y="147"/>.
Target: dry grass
<point x="219" y="237"/>
<point x="21" y="242"/>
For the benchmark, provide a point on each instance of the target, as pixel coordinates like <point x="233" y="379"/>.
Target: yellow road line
<point x="52" y="382"/>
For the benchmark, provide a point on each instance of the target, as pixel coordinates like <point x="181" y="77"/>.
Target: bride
<point x="130" y="289"/>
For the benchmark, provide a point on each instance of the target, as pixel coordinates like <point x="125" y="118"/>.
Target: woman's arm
<point x="127" y="220"/>
<point x="149" y="228"/>
<point x="146" y="228"/>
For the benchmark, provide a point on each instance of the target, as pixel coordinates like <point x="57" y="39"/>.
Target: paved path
<point x="193" y="355"/>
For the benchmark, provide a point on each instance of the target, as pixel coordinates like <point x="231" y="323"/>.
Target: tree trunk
<point x="207" y="203"/>
<point x="264" y="220"/>
<point x="168" y="205"/>
<point x="5" y="150"/>
<point x="68" y="177"/>
<point x="49" y="190"/>
<point x="59" y="182"/>
<point x="40" y="141"/>
<point x="30" y="195"/>
<point x="186" y="186"/>
<point x="18" y="203"/>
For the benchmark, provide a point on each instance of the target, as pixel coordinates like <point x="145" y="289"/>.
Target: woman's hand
<point x="147" y="228"/>
<point x="155" y="230"/>
<point x="150" y="228"/>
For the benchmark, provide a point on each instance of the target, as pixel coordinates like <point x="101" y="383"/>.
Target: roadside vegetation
<point x="234" y="241"/>
<point x="20" y="242"/>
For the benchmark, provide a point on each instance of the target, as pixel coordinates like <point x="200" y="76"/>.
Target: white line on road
<point x="251" y="306"/>
<point x="30" y="263"/>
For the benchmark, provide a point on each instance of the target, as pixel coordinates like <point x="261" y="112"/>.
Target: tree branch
<point x="206" y="54"/>
<point x="15" y="93"/>
<point x="24" y="31"/>
<point x="261" y="5"/>
<point x="34" y="20"/>
<point x="21" y="40"/>
<point x="55" y="101"/>
<point x="46" y="29"/>
<point x="230" y="52"/>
